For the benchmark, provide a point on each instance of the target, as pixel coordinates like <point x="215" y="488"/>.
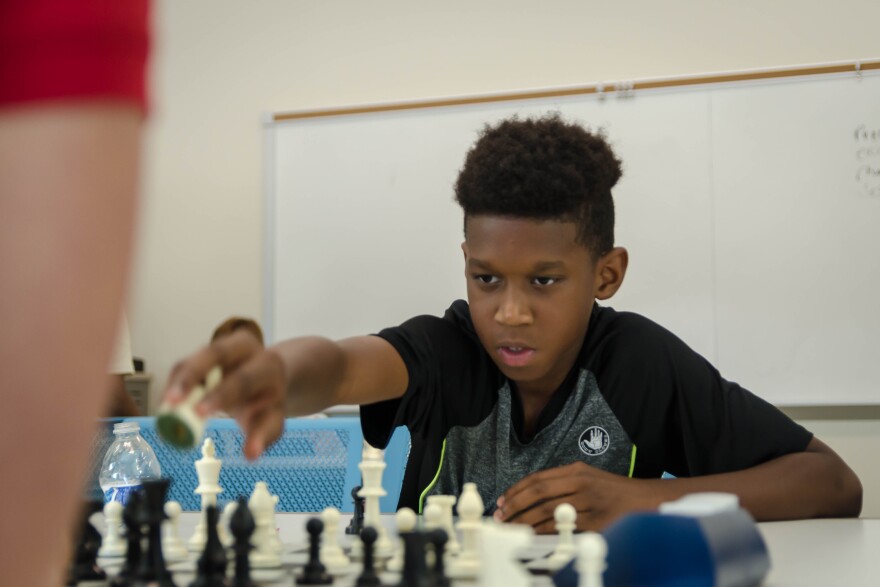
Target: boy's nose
<point x="513" y="311"/>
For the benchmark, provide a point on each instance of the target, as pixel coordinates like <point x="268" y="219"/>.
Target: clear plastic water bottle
<point x="127" y="463"/>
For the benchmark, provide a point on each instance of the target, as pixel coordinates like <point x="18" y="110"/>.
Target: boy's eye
<point x="486" y="279"/>
<point x="545" y="280"/>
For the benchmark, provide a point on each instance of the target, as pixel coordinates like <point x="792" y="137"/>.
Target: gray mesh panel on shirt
<point x="490" y="454"/>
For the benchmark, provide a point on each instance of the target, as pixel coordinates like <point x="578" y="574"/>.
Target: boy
<point x="530" y="389"/>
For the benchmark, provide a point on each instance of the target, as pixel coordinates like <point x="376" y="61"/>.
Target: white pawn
<point x="470" y="514"/>
<point x="591" y="552"/>
<point x="113" y="545"/>
<point x="405" y="519"/>
<point x="173" y="548"/>
<point x="262" y="506"/>
<point x="565" y="516"/>
<point x="447" y="502"/>
<point x="330" y="553"/>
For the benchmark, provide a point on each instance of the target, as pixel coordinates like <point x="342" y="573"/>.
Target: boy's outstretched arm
<point x="261" y="386"/>
<point x="814" y="483"/>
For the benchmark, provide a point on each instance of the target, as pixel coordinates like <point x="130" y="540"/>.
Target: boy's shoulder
<point x="623" y="335"/>
<point x="606" y="321"/>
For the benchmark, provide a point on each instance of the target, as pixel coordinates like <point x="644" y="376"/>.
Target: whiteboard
<point x="750" y="211"/>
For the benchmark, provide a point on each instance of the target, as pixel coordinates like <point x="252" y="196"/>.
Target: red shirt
<point x="53" y="49"/>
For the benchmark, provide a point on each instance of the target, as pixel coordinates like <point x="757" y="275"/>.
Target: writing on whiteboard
<point x="868" y="159"/>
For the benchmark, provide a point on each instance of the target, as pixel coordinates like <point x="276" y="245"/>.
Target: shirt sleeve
<point x="447" y="370"/>
<point x="73" y="49"/>
<point x="682" y="415"/>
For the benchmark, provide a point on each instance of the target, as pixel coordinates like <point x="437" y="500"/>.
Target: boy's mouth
<point x="515" y="356"/>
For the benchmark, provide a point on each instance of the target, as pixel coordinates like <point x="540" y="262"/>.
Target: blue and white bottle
<point x="128" y="462"/>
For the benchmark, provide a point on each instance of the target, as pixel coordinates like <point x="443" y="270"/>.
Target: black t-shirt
<point x="638" y="402"/>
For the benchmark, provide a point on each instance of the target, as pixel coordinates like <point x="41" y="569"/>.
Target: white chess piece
<point x="262" y="506"/>
<point x="226" y="539"/>
<point x="113" y="544"/>
<point x="504" y="542"/>
<point x="405" y="519"/>
<point x="447" y="502"/>
<point x="173" y="548"/>
<point x="275" y="541"/>
<point x="470" y="514"/>
<point x="565" y="516"/>
<point x="433" y="517"/>
<point x="330" y="553"/>
<point x="591" y="552"/>
<point x="208" y="471"/>
<point x="372" y="466"/>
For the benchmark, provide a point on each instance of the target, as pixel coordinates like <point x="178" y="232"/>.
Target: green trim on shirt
<point x="434" y="480"/>
<point x="632" y="462"/>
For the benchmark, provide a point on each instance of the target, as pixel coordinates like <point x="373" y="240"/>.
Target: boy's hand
<point x="598" y="496"/>
<point x="252" y="389"/>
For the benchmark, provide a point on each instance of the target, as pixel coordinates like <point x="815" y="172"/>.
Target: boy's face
<point x="531" y="289"/>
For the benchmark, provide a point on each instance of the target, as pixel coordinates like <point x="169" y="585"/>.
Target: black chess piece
<point x="151" y="571"/>
<point x="438" y="540"/>
<point x="85" y="561"/>
<point x="357" y="520"/>
<point x="212" y="563"/>
<point x="368" y="577"/>
<point x="314" y="572"/>
<point x="415" y="569"/>
<point x="133" y="534"/>
<point x="242" y="527"/>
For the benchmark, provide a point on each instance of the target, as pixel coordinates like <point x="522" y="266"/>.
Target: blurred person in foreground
<point x="72" y="107"/>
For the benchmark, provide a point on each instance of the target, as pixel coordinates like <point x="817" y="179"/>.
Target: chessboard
<point x="246" y="544"/>
<point x="296" y="556"/>
<point x="499" y="554"/>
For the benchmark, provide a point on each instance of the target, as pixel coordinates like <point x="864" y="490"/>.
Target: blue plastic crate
<point x="312" y="466"/>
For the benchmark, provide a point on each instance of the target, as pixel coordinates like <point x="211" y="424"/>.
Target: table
<point x="844" y="552"/>
<point x="804" y="553"/>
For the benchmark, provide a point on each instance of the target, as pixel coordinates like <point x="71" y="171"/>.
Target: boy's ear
<point x="610" y="271"/>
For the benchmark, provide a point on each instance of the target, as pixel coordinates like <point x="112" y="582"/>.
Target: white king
<point x="208" y="471"/>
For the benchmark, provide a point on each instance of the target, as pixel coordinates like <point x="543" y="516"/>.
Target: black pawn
<point x="368" y="577"/>
<point x="438" y="539"/>
<point x="85" y="564"/>
<point x="133" y="534"/>
<point x="242" y="527"/>
<point x="152" y="572"/>
<point x="357" y="520"/>
<point x="415" y="570"/>
<point x="314" y="572"/>
<point x="212" y="564"/>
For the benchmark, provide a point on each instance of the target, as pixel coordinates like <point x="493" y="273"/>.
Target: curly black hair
<point x="543" y="169"/>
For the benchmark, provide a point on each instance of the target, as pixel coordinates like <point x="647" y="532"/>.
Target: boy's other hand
<point x="598" y="497"/>
<point x="252" y="389"/>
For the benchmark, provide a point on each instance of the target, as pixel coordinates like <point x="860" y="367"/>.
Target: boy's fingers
<point x="537" y="500"/>
<point x="532" y="483"/>
<point x="543" y="512"/>
<point x="584" y="521"/>
<point x="227" y="352"/>
<point x="261" y="429"/>
<point x="258" y="377"/>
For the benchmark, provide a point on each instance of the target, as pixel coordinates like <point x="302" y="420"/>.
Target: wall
<point x="219" y="64"/>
